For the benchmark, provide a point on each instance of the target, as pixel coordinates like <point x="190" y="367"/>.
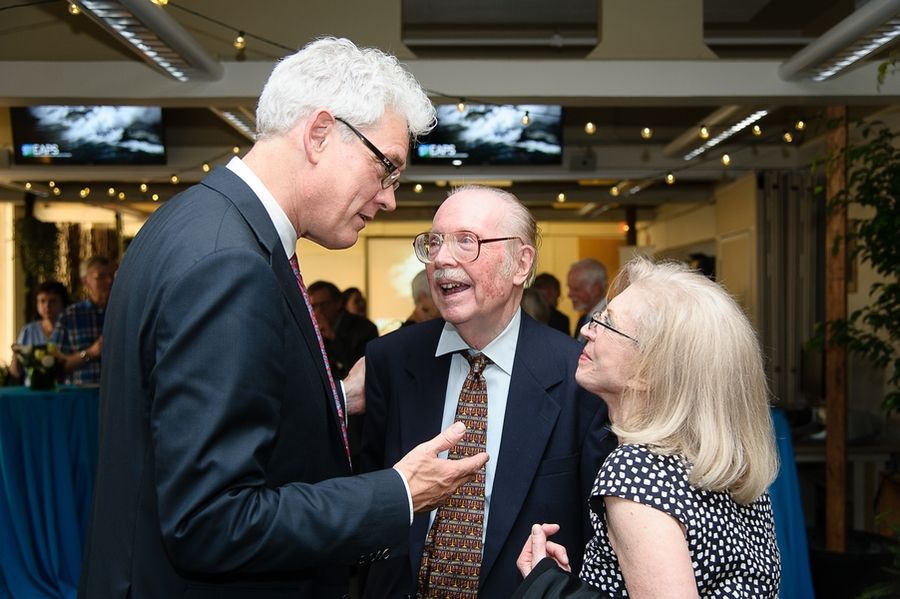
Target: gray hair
<point x="420" y="285"/>
<point x="357" y="84"/>
<point x="590" y="271"/>
<point x="519" y="222"/>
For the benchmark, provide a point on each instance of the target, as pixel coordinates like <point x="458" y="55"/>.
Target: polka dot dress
<point x="732" y="546"/>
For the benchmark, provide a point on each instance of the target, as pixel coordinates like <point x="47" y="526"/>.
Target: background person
<point x="587" y="281"/>
<point x="424" y="308"/>
<point x="50" y="298"/>
<point x="680" y="508"/>
<point x="223" y="468"/>
<point x="79" y="330"/>
<point x="546" y="436"/>
<point x="534" y="304"/>
<point x="549" y="287"/>
<point x="354" y="302"/>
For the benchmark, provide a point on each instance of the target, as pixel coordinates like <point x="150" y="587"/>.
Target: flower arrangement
<point x="42" y="367"/>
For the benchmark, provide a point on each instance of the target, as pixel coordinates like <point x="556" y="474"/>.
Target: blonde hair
<point x="703" y="391"/>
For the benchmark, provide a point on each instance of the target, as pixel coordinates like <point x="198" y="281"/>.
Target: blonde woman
<point x="679" y="508"/>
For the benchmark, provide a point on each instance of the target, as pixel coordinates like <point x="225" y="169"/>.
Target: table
<point x="48" y="455"/>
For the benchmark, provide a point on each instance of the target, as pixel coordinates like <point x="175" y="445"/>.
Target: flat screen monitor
<point x="109" y="135"/>
<point x="486" y="134"/>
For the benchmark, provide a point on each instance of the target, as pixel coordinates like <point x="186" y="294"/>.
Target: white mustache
<point x="454" y="274"/>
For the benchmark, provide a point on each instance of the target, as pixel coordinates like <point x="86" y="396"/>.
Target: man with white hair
<point x="224" y="466"/>
<point x="487" y="362"/>
<point x="423" y="306"/>
<point x="587" y="281"/>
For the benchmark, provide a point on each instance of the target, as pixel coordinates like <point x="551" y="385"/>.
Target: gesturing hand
<point x="432" y="480"/>
<point x="537" y="547"/>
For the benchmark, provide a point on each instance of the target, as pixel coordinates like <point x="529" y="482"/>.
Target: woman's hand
<point x="537" y="547"/>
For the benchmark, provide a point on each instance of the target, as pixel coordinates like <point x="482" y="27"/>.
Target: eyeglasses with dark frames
<point x="598" y="318"/>
<point x="392" y="178"/>
<point x="464" y="246"/>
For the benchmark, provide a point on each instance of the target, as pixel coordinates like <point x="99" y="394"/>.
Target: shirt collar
<point x="283" y="226"/>
<point x="501" y="350"/>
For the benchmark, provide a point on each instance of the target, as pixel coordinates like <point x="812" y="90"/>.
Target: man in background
<point x="587" y="281"/>
<point x="423" y="306"/>
<point x="546" y="436"/>
<point x="549" y="287"/>
<point x="223" y="467"/>
<point x="79" y="330"/>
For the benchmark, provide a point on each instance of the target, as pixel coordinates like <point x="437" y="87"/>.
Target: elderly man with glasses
<point x="488" y="363"/>
<point x="224" y="465"/>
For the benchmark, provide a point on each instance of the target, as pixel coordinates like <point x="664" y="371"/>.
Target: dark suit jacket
<point x="553" y="442"/>
<point x="351" y="334"/>
<point x="548" y="581"/>
<point x="220" y="451"/>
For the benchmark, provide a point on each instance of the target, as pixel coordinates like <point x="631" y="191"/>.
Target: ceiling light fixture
<point x="240" y="42"/>
<point x="646" y="133"/>
<point x="670" y="178"/>
<point x="733" y="130"/>
<point x="757" y="130"/>
<point x="526" y="119"/>
<point x="590" y="128"/>
<point x="155" y="36"/>
<point x="73" y="9"/>
<point x="704" y="132"/>
<point x="239" y="117"/>
<point x="800" y="125"/>
<point x="726" y="159"/>
<point x="872" y="27"/>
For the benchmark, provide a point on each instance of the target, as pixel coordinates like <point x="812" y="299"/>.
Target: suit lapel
<point x="254" y="214"/>
<point x="425" y="381"/>
<point x="531" y="415"/>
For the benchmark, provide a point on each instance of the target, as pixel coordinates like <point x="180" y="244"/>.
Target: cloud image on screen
<point x="494" y="134"/>
<point x="88" y="135"/>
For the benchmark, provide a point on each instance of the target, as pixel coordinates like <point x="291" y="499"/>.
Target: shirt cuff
<point x="408" y="494"/>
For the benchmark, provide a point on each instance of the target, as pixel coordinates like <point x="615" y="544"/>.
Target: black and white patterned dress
<point x="732" y="546"/>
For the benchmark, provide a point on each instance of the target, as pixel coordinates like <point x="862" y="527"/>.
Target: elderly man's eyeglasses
<point x="464" y="246"/>
<point x="392" y="178"/>
<point x="603" y="321"/>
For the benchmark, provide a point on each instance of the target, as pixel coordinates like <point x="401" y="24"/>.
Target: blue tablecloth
<point x="48" y="455"/>
<point x="790" y="530"/>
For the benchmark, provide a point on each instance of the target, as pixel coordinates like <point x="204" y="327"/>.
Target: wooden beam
<point x="836" y="356"/>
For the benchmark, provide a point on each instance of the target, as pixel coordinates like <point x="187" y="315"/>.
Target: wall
<point x="727" y="225"/>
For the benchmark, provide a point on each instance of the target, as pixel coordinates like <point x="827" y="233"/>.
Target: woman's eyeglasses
<point x="603" y="321"/>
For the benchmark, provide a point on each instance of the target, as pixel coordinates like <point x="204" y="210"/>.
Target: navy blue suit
<point x="554" y="440"/>
<point x="222" y="472"/>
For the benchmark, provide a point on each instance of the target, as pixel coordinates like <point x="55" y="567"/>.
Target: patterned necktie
<point x="451" y="561"/>
<point x="337" y="398"/>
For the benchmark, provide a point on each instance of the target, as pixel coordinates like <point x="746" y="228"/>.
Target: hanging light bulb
<point x="590" y="128"/>
<point x="670" y="178"/>
<point x="704" y="132"/>
<point x="800" y="125"/>
<point x="236" y="150"/>
<point x="174" y="179"/>
<point x="757" y="130"/>
<point x="614" y="191"/>
<point x="560" y="197"/>
<point x="625" y="228"/>
<point x="28" y="185"/>
<point x="73" y="9"/>
<point x="155" y="197"/>
<point x="787" y="137"/>
<point x="240" y="42"/>
<point x="51" y="183"/>
<point x="418" y="188"/>
<point x="85" y="192"/>
<point x="526" y="119"/>
<point x="461" y="106"/>
<point x="726" y="159"/>
<point x="205" y="167"/>
<point x="122" y="196"/>
<point x="160" y="2"/>
<point x="143" y="188"/>
<point x="57" y="191"/>
<point x="646" y="132"/>
<point x="111" y="191"/>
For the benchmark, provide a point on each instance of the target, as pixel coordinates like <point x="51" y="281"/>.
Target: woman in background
<point x="679" y="508"/>
<point x="354" y="302"/>
<point x="50" y="298"/>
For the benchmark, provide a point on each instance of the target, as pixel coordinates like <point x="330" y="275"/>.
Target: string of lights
<point x="696" y="158"/>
